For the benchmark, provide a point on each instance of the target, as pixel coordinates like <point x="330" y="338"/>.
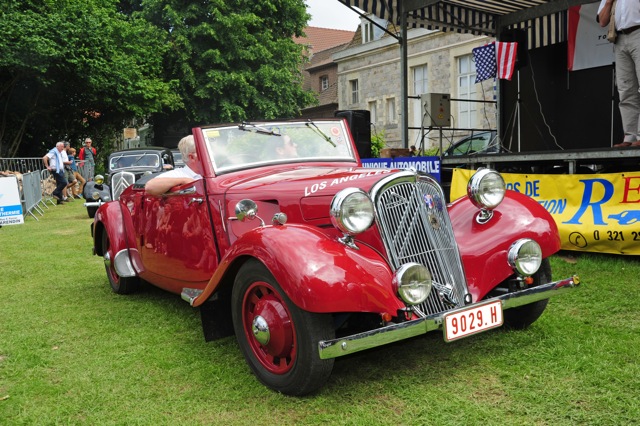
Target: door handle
<point x="195" y="200"/>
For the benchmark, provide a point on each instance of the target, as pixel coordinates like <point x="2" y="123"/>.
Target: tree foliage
<point x="235" y="59"/>
<point x="70" y="68"/>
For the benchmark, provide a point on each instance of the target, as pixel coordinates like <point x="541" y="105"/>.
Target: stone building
<point x="369" y="78"/>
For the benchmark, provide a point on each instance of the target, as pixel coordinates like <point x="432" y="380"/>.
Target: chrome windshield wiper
<point x="316" y="129"/>
<point x="249" y="127"/>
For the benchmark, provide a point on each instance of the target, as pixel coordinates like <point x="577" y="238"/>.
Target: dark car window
<point x="482" y="142"/>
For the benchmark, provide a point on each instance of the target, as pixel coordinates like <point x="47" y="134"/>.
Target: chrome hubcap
<point x="260" y="330"/>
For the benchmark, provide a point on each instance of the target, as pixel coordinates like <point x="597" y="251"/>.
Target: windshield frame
<point x="331" y="144"/>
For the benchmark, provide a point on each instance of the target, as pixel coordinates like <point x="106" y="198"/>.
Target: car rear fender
<point x="484" y="247"/>
<point x="318" y="273"/>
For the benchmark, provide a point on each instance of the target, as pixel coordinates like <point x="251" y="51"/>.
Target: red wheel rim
<point x="278" y="355"/>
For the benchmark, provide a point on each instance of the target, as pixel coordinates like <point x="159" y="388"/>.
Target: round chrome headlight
<point x="525" y="256"/>
<point x="95" y="195"/>
<point x="98" y="179"/>
<point x="352" y="211"/>
<point x="413" y="283"/>
<point x="486" y="189"/>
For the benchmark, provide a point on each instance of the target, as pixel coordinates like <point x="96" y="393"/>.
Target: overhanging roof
<point x="543" y="18"/>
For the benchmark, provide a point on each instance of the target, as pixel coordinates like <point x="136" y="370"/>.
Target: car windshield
<point x="257" y="144"/>
<point x="132" y="160"/>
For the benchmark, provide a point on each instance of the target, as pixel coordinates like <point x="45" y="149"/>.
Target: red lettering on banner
<point x="627" y="189"/>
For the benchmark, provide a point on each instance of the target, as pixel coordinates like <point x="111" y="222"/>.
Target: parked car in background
<point x="288" y="243"/>
<point x="477" y="143"/>
<point x="177" y="158"/>
<point x="124" y="168"/>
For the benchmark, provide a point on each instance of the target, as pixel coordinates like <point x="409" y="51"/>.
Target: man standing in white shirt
<point x="180" y="176"/>
<point x="54" y="161"/>
<point x="627" y="56"/>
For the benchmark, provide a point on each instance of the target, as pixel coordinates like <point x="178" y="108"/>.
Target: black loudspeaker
<point x="359" y="122"/>
<point x="519" y="36"/>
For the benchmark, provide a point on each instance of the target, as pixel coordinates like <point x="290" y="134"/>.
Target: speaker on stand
<point x="359" y="122"/>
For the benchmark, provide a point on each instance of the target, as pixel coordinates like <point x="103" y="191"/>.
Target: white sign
<point x="10" y="205"/>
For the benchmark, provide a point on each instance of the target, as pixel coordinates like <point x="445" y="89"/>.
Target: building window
<point x="467" y="116"/>
<point x="353" y="84"/>
<point x="367" y="32"/>
<point x="324" y="83"/>
<point x="420" y="80"/>
<point x="373" y="111"/>
<point x="391" y="110"/>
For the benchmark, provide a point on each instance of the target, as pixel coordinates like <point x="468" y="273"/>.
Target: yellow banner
<point x="595" y="212"/>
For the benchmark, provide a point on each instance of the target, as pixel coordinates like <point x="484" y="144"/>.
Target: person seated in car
<point x="179" y="176"/>
<point x="281" y="147"/>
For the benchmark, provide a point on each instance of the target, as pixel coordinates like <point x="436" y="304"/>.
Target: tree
<point x="69" y="68"/>
<point x="234" y="59"/>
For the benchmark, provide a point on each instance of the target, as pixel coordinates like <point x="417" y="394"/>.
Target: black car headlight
<point x="352" y="211"/>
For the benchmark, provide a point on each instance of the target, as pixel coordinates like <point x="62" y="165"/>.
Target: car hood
<point x="305" y="191"/>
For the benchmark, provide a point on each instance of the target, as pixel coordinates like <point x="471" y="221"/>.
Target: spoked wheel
<point x="523" y="316"/>
<point x="120" y="285"/>
<point x="278" y="340"/>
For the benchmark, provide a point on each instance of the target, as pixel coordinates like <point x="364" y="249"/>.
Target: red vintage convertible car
<point x="307" y="256"/>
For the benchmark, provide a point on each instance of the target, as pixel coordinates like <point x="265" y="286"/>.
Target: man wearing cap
<point x="626" y="15"/>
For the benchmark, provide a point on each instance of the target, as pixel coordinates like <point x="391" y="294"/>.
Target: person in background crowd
<point x="54" y="161"/>
<point x="178" y="176"/>
<point x="627" y="58"/>
<point x="67" y="192"/>
<point x="413" y="152"/>
<point x="87" y="157"/>
<point x="75" y="191"/>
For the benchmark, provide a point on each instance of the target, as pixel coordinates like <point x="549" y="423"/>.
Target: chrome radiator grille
<point x="415" y="226"/>
<point x="119" y="182"/>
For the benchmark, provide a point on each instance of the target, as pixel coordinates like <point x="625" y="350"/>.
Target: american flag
<point x="496" y="59"/>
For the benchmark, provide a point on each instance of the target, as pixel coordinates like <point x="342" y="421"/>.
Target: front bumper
<point x="396" y="332"/>
<point x="94" y="203"/>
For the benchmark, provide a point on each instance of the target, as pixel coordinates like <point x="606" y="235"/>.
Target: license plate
<point x="472" y="320"/>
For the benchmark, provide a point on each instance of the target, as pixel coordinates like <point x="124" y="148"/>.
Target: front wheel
<point x="120" y="285"/>
<point x="523" y="316"/>
<point x="278" y="340"/>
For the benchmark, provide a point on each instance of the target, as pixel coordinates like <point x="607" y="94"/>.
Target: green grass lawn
<point x="72" y="352"/>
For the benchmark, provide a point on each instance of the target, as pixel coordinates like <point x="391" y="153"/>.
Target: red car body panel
<point x="484" y="247"/>
<point x="183" y="243"/>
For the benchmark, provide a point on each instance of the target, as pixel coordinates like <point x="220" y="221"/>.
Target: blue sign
<point x="430" y="165"/>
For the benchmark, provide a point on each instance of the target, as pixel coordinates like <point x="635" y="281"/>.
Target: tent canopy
<point x="544" y="19"/>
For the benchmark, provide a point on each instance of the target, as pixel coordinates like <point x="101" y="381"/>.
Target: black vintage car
<point x="124" y="168"/>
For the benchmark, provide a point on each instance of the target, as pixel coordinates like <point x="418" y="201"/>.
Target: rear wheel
<point x="120" y="285"/>
<point x="278" y="339"/>
<point x="523" y="316"/>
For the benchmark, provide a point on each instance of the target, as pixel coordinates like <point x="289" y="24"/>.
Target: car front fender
<point x="484" y="247"/>
<point x="318" y="273"/>
<point x="116" y="222"/>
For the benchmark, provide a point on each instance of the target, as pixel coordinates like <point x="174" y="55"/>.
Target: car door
<point x="177" y="243"/>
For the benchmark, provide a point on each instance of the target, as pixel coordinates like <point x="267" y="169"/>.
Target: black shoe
<point x="56" y="197"/>
<point x="59" y="202"/>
